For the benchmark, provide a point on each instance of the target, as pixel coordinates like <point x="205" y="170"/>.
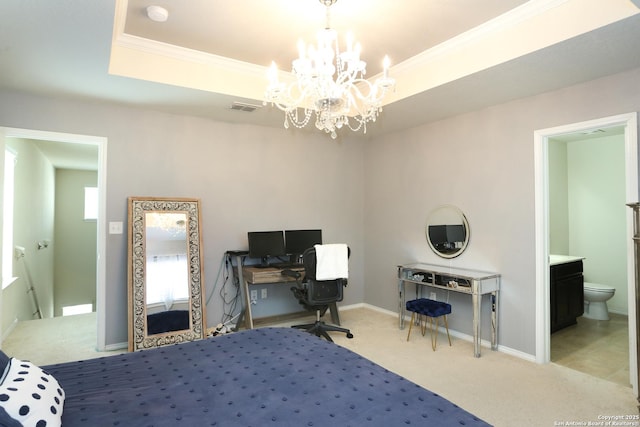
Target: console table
<point x="472" y="282"/>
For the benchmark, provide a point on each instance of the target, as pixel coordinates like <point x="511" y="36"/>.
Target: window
<point x="72" y="310"/>
<point x="7" y="224"/>
<point x="90" y="203"/>
<point x="165" y="271"/>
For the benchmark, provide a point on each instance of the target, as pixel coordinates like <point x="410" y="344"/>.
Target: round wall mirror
<point x="447" y="231"/>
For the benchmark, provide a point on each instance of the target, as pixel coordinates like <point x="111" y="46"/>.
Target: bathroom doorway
<point x="627" y="125"/>
<point x="587" y="220"/>
<point x="61" y="143"/>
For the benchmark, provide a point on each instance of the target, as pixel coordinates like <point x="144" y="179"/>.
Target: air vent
<point x="240" y="106"/>
<point x="592" y="131"/>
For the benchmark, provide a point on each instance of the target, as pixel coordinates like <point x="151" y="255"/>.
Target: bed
<point x="260" y="377"/>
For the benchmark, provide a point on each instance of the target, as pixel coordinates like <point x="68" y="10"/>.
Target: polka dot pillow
<point x="29" y="396"/>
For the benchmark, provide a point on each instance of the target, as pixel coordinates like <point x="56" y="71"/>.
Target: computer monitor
<point x="456" y="233"/>
<point x="438" y="234"/>
<point x="265" y="244"/>
<point x="297" y="241"/>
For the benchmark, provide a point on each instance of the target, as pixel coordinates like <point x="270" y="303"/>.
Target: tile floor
<point x="596" y="347"/>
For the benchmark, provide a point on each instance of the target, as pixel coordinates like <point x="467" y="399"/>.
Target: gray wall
<point x="373" y="194"/>
<point x="482" y="162"/>
<point x="75" y="241"/>
<point x="248" y="178"/>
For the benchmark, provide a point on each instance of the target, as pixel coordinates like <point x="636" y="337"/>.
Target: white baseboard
<point x="116" y="346"/>
<point x="457" y="334"/>
<point x="615" y="311"/>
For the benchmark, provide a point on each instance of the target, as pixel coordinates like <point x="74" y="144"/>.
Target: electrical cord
<point x="215" y="283"/>
<point x="230" y="291"/>
<point x="229" y="305"/>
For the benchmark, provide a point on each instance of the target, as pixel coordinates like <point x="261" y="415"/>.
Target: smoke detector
<point x="157" y="13"/>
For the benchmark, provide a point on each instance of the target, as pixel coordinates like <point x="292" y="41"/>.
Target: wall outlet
<point x="263" y="294"/>
<point x="254" y="296"/>
<point x="432" y="296"/>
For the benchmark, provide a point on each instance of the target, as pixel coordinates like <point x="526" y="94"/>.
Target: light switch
<point x="115" y="227"/>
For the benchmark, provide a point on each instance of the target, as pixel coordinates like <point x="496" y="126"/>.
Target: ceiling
<point x="448" y="56"/>
<point x="66" y="155"/>
<point x="272" y="29"/>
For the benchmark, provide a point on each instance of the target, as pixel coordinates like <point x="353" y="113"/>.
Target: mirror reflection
<point x="447" y="231"/>
<point x="165" y="272"/>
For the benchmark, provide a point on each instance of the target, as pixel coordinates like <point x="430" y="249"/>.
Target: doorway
<point x="542" y="230"/>
<point x="77" y="141"/>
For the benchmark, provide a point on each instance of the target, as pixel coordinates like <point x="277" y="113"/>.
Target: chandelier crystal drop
<point x="330" y="84"/>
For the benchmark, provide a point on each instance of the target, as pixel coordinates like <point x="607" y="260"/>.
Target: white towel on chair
<point x="332" y="261"/>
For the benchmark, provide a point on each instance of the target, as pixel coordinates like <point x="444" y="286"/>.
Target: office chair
<point x="317" y="295"/>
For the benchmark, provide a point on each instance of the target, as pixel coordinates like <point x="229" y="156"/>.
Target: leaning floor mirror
<point x="165" y="277"/>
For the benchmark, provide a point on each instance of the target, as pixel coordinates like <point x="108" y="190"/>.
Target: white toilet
<point x="595" y="300"/>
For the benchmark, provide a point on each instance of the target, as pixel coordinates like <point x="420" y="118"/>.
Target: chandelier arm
<point x="284" y="99"/>
<point x="364" y="107"/>
<point x="374" y="89"/>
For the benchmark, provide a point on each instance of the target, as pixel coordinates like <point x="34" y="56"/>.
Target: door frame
<point x="101" y="143"/>
<point x="541" y="148"/>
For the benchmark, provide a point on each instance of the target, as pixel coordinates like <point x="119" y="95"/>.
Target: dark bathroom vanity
<point x="566" y="292"/>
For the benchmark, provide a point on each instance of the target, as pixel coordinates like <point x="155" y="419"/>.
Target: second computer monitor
<point x="297" y="241"/>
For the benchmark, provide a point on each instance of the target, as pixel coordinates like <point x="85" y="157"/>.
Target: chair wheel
<point x="349" y="335"/>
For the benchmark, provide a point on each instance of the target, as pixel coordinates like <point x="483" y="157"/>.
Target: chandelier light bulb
<point x="385" y="66"/>
<point x="272" y="74"/>
<point x="330" y="84"/>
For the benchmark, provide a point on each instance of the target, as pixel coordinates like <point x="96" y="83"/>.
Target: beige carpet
<point x="501" y="389"/>
<point x="55" y="340"/>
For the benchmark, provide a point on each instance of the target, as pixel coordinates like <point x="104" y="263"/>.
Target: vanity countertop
<point x="563" y="259"/>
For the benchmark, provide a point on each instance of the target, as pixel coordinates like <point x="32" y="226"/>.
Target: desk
<point x="250" y="275"/>
<point x="471" y="282"/>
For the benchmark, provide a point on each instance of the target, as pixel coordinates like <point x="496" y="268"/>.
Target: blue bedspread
<point x="261" y="377"/>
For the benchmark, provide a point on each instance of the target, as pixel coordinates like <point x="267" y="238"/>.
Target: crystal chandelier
<point x="330" y="84"/>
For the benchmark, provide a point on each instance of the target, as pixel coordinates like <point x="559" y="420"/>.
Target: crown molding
<point x="180" y="53"/>
<point x="510" y="19"/>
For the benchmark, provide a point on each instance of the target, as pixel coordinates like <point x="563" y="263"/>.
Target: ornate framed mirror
<point x="447" y="231"/>
<point x="165" y="276"/>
